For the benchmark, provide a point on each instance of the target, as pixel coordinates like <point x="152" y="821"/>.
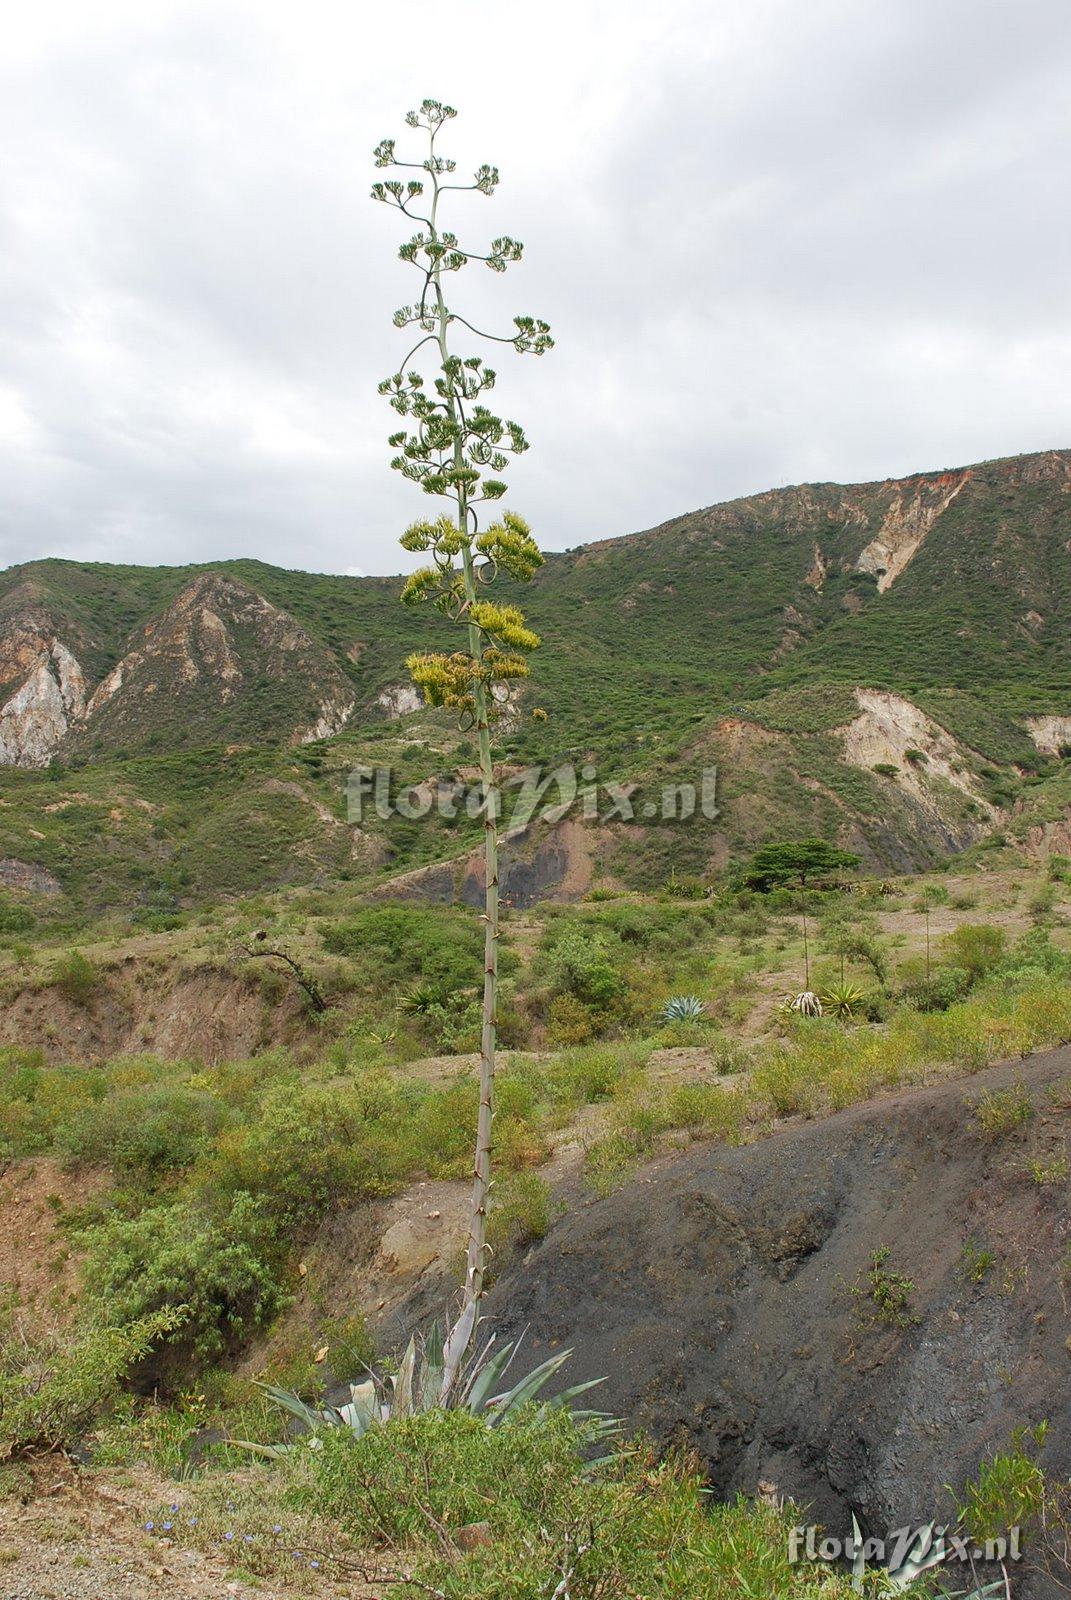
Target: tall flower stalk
<point x="455" y="447"/>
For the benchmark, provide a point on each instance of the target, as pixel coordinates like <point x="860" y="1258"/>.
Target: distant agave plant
<point x="419" y="1001"/>
<point x="682" y="1008"/>
<point x="804" y="1004"/>
<point x="841" y="1000"/>
<point x="417" y="1386"/>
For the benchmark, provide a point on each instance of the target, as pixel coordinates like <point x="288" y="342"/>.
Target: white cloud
<point x="775" y="241"/>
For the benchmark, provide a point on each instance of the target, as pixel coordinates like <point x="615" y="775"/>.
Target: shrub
<point x="1046" y="1173"/>
<point x="569" y="1022"/>
<point x="999" y="1111"/>
<point x="308" y="1147"/>
<point x="1059" y="869"/>
<point x="630" y="1525"/>
<point x="976" y="947"/>
<point x="1035" y="956"/>
<point x="1043" y="902"/>
<point x="885" y="1295"/>
<point x="15" y="919"/>
<point x="76" y="978"/>
<point x="520" y="1214"/>
<point x="455" y="1023"/>
<point x="144" y="1131"/>
<point x="975" y="1263"/>
<point x="53" y="1387"/>
<point x="218" y="1271"/>
<point x="941" y="989"/>
<point x="1009" y="1490"/>
<point x="579" y="964"/>
<point x="401" y="944"/>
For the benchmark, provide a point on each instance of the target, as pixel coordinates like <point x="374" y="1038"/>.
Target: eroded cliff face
<point x="1050" y="734"/>
<point x="194" y="640"/>
<point x="36" y="719"/>
<point x="207" y="661"/>
<point x="914" y="510"/>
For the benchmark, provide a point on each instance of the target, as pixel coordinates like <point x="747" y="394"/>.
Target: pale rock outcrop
<point x="887" y="727"/>
<point x="908" y="520"/>
<point x="1050" y="734"/>
<point x="399" y="699"/>
<point x="333" y="717"/>
<point x="37" y="718"/>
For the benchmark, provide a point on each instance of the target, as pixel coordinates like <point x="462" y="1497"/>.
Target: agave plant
<point x="417" y="1386"/>
<point x="841" y="1000"/>
<point x="682" y="1008"/>
<point x="927" y="1550"/>
<point x="419" y="1001"/>
<point x="804" y="1004"/>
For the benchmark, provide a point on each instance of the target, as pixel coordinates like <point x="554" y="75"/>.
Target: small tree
<point x="776" y="865"/>
<point x="455" y="447"/>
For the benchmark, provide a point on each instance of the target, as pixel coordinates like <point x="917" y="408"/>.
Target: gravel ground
<point x="80" y="1538"/>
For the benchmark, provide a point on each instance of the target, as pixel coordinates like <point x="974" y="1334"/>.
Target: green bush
<point x="578" y="963"/>
<point x="54" y="1387"/>
<point x="76" y="978"/>
<point x="999" y="1111"/>
<point x="1009" y="1491"/>
<point x="634" y="1525"/>
<point x="936" y="992"/>
<point x="144" y="1131"/>
<point x="976" y="947"/>
<point x="307" y="1147"/>
<point x="220" y="1272"/>
<point x="400" y="944"/>
<point x="15" y="919"/>
<point x="520" y="1214"/>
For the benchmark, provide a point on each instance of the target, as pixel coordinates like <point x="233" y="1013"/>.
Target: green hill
<point x="226" y="701"/>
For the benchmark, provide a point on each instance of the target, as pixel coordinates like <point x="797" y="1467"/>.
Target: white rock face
<point x="399" y="699"/>
<point x="906" y="524"/>
<point x="36" y="719"/>
<point x="887" y="727"/>
<point x="1050" y="734"/>
<point x="333" y="717"/>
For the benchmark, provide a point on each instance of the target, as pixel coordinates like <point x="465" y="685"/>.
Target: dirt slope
<point x="715" y="1293"/>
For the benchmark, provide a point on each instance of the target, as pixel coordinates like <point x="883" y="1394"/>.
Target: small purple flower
<point x="314" y="1563"/>
<point x="167" y="1526"/>
<point x="277" y="1528"/>
<point x="228" y="1535"/>
<point x="149" y="1526"/>
<point x="172" y="1508"/>
<point x="248" y="1537"/>
<point x="193" y="1522"/>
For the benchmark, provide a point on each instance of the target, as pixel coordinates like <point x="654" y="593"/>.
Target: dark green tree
<point x="777" y="865"/>
<point x="455" y="447"/>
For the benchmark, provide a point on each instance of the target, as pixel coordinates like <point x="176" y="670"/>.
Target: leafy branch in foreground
<point x="455" y="447"/>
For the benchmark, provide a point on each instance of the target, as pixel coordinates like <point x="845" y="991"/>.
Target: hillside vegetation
<point x="888" y="665"/>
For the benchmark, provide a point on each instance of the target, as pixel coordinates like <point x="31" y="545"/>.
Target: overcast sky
<point x="777" y="240"/>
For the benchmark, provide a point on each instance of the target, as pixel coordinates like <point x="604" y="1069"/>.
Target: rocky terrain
<point x="728" y="1297"/>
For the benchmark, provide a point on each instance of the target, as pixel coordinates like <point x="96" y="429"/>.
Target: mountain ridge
<point x="887" y="663"/>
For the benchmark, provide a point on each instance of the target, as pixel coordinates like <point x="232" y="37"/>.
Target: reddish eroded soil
<point x="36" y="1262"/>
